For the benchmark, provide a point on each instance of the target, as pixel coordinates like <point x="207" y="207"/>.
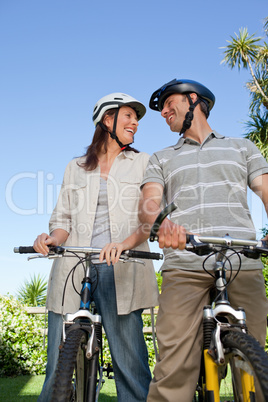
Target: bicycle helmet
<point x="183" y="87"/>
<point x="115" y="101"/>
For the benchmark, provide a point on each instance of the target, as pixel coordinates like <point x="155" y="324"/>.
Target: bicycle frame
<point x="221" y="319"/>
<point x="90" y="323"/>
<point x="85" y="302"/>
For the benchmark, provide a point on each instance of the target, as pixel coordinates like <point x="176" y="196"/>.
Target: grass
<point x="27" y="388"/>
<point x="23" y="388"/>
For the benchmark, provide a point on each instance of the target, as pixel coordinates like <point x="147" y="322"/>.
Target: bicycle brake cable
<point x="237" y="253"/>
<point x="207" y="258"/>
<point x="227" y="259"/>
<point x="81" y="261"/>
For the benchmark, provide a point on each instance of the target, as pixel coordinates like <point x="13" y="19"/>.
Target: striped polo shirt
<point x="208" y="182"/>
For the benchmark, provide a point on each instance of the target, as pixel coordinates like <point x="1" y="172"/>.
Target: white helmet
<point x="115" y="101"/>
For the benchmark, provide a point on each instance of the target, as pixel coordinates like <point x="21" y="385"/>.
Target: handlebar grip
<point x="163" y="214"/>
<point x="143" y="254"/>
<point x="24" y="250"/>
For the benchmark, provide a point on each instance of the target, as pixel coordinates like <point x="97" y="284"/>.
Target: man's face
<point x="175" y="108"/>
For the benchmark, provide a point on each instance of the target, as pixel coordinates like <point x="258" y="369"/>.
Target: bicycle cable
<point x="227" y="259"/>
<point x="81" y="261"/>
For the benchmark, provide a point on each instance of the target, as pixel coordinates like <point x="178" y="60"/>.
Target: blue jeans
<point x="126" y="340"/>
<point x="53" y="343"/>
<point x="125" y="337"/>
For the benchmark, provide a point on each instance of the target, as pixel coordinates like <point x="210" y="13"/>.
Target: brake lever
<point x="196" y="246"/>
<point x="258" y="251"/>
<point x="49" y="256"/>
<point x="124" y="258"/>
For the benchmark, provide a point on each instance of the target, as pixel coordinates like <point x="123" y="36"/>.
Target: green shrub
<point x="106" y="352"/>
<point x="265" y="275"/>
<point x="21" y="340"/>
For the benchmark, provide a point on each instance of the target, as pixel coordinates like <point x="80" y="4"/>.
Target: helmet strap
<point x="113" y="133"/>
<point x="189" y="115"/>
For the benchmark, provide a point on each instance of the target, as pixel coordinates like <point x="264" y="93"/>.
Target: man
<point x="206" y="174"/>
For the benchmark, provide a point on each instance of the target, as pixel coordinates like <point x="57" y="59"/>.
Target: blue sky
<point x="58" y="57"/>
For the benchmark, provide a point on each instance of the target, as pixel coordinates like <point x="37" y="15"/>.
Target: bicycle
<point x="227" y="347"/>
<point x="79" y="375"/>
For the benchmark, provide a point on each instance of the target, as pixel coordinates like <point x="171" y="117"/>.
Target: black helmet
<point x="180" y="87"/>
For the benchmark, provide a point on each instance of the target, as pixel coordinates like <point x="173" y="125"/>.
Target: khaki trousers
<point x="179" y="327"/>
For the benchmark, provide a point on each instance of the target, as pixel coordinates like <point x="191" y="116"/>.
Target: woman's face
<point x="127" y="124"/>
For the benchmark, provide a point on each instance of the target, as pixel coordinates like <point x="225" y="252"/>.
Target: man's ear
<point x="194" y="97"/>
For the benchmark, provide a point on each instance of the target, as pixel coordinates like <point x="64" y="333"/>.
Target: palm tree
<point x="33" y="293"/>
<point x="257" y="100"/>
<point x="257" y="131"/>
<point x="246" y="51"/>
<point x="243" y="50"/>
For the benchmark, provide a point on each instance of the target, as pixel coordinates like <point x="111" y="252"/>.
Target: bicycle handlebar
<point x="202" y="245"/>
<point x="89" y="250"/>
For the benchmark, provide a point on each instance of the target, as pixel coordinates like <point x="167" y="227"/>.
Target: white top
<point x="75" y="212"/>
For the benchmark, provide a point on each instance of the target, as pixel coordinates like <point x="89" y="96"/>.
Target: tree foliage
<point x="251" y="52"/>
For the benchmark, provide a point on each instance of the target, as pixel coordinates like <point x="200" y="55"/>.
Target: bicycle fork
<point x="213" y="353"/>
<point x="214" y="357"/>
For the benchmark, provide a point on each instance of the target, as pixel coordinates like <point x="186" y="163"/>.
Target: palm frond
<point x="241" y="49"/>
<point x="257" y="131"/>
<point x="33" y="292"/>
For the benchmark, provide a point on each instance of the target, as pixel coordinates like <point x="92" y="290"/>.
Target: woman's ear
<point x="108" y="122"/>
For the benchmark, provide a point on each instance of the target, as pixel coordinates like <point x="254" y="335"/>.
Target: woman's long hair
<point x="99" y="144"/>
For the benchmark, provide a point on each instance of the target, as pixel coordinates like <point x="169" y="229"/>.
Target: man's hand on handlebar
<point x="171" y="235"/>
<point x="265" y="238"/>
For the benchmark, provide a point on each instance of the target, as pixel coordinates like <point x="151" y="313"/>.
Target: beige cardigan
<point x="136" y="285"/>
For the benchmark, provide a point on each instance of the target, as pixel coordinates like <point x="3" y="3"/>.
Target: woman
<point x="98" y="207"/>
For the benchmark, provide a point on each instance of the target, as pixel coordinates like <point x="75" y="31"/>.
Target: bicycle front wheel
<point x="246" y="370"/>
<point x="76" y="376"/>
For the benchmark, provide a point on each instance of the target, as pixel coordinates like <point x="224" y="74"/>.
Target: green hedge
<point x="21" y="341"/>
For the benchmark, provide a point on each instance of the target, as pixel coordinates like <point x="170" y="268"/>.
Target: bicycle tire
<point x="76" y="376"/>
<point x="252" y="357"/>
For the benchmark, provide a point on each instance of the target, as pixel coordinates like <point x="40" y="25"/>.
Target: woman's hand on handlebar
<point x="111" y="253"/>
<point x="171" y="235"/>
<point x="58" y="236"/>
<point x="42" y="242"/>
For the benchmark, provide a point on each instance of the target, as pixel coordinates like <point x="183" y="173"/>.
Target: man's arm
<point x="169" y="234"/>
<point x="260" y="187"/>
